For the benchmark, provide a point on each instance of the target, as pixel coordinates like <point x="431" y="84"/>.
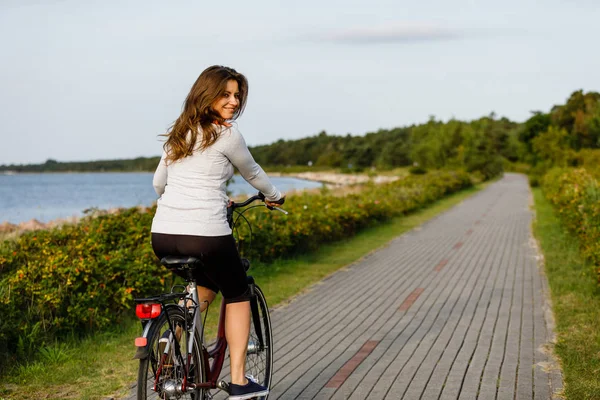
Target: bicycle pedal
<point x="223" y="386"/>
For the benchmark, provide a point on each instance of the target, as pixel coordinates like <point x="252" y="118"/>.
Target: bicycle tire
<point x="259" y="361"/>
<point x="172" y="372"/>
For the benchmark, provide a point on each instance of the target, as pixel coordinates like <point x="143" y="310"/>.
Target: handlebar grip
<point x="280" y="201"/>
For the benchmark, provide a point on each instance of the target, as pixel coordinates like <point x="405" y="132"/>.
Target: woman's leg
<point x="205" y="297"/>
<point x="237" y="330"/>
<point x="223" y="267"/>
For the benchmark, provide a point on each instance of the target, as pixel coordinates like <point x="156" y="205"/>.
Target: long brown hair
<point x="198" y="112"/>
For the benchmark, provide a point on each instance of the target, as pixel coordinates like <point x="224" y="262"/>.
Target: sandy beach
<point x="335" y="179"/>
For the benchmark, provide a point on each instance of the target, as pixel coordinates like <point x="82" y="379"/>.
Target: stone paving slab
<point x="455" y="309"/>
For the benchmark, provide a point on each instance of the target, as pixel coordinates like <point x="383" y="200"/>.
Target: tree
<point x="533" y="127"/>
<point x="551" y="147"/>
<point x="579" y="118"/>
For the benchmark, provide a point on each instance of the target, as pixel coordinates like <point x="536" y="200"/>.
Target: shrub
<point x="534" y="181"/>
<point x="575" y="195"/>
<point x="417" y="170"/>
<point x="590" y="160"/>
<point x="518" y="167"/>
<point x="75" y="278"/>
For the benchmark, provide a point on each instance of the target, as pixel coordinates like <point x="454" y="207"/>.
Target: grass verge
<point x="576" y="303"/>
<point x="101" y="366"/>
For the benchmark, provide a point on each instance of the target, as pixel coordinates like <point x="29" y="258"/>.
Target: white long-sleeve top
<point x="193" y="200"/>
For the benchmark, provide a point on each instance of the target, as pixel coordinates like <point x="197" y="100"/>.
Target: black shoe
<point x="247" y="391"/>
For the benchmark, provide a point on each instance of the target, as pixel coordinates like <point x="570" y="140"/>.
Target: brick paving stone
<point x="454" y="309"/>
<point x="444" y="346"/>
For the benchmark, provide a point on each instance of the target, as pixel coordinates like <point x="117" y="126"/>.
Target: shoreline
<point x="331" y="180"/>
<point x="337" y="179"/>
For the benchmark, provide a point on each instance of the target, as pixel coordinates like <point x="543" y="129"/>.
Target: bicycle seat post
<point x="195" y="306"/>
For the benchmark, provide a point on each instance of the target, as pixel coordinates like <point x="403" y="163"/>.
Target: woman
<point x="201" y="149"/>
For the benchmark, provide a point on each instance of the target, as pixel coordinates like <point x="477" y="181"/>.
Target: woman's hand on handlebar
<point x="271" y="204"/>
<point x="275" y="203"/>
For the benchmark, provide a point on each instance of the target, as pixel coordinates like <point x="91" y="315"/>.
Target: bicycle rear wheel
<point x="160" y="375"/>
<point x="259" y="359"/>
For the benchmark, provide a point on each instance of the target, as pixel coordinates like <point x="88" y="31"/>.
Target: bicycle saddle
<point x="178" y="261"/>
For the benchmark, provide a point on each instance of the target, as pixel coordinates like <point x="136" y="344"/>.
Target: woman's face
<point x="228" y="103"/>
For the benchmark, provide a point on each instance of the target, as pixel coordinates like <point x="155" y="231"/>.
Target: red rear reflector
<point x="147" y="311"/>
<point x="141" y="341"/>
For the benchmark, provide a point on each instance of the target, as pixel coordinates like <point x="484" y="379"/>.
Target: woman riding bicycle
<point x="201" y="149"/>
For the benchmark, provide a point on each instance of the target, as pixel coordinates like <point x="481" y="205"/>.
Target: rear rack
<point x="162" y="298"/>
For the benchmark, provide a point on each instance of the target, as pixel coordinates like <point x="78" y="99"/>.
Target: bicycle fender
<point x="142" y="352"/>
<point x="149" y="327"/>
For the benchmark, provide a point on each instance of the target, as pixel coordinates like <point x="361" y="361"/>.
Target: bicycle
<point x="174" y="361"/>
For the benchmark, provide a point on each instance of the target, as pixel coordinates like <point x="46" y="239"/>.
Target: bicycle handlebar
<point x="261" y="197"/>
<point x="234" y="205"/>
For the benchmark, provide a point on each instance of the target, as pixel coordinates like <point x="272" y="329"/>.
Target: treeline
<point x="476" y="145"/>
<point x="139" y="164"/>
<point x="382" y="149"/>
<point x="480" y="145"/>
<point x="567" y="135"/>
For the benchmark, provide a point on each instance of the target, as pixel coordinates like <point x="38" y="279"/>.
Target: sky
<point x="102" y="79"/>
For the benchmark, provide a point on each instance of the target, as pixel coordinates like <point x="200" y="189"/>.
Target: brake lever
<point x="280" y="209"/>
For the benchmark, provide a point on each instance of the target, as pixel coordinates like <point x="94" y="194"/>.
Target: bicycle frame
<point x="216" y="352"/>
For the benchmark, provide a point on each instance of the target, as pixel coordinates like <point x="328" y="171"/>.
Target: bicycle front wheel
<point x="161" y="374"/>
<point x="259" y="359"/>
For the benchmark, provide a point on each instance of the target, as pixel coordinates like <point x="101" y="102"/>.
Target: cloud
<point x="399" y="33"/>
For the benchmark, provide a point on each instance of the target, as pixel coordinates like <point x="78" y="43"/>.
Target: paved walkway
<point x="455" y="309"/>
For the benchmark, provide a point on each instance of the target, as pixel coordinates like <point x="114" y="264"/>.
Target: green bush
<point x="518" y="167"/>
<point x="417" y="170"/>
<point x="83" y="277"/>
<point x="575" y="195"/>
<point x="534" y="181"/>
<point x="74" y="278"/>
<point x="590" y="160"/>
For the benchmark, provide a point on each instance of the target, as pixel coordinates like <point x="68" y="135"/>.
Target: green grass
<point x="82" y="369"/>
<point x="576" y="303"/>
<point x="101" y="366"/>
